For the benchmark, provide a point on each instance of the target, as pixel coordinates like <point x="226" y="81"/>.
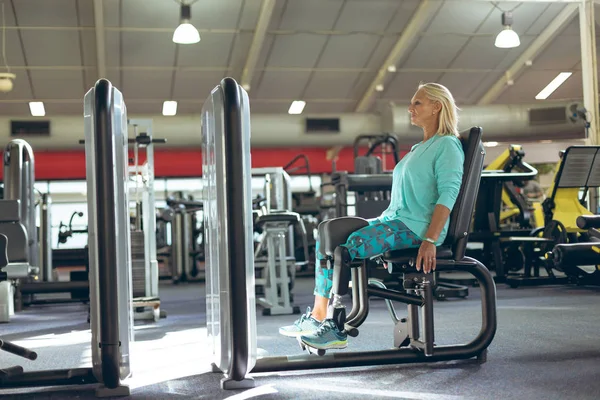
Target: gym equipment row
<point x="26" y="250"/>
<point x="231" y="319"/>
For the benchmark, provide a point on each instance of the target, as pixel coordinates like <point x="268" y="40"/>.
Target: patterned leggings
<point x="372" y="240"/>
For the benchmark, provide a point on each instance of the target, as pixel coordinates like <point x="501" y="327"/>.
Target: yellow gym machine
<point x="578" y="171"/>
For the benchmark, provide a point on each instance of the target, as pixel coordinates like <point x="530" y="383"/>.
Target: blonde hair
<point x="448" y="124"/>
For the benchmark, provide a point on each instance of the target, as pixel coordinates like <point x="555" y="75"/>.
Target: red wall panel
<point x="62" y="165"/>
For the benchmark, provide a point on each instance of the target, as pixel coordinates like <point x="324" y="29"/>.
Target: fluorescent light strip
<point x="37" y="108"/>
<point x="169" y="108"/>
<point x="297" y="107"/>
<point x="552" y="86"/>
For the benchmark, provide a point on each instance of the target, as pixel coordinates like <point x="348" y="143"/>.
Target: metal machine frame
<point x="110" y="261"/>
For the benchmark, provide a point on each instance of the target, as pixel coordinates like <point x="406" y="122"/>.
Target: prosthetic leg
<point x="332" y="235"/>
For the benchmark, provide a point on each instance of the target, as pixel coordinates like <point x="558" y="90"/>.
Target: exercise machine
<point x="230" y="294"/>
<point x="509" y="167"/>
<point x="275" y="263"/>
<point x="420" y="287"/>
<point x="18" y="223"/>
<point x="187" y="238"/>
<point x="578" y="171"/>
<point x="572" y="258"/>
<point x="105" y="124"/>
<point x="146" y="300"/>
<point x="371" y="187"/>
<point x="275" y="270"/>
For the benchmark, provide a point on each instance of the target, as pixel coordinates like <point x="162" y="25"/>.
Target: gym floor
<point x="546" y="347"/>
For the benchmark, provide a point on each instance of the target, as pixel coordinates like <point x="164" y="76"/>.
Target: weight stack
<point x="138" y="264"/>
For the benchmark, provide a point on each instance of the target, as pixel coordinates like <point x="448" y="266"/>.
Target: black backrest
<point x="462" y="212"/>
<point x="3" y="251"/>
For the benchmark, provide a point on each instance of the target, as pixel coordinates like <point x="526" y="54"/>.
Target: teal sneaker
<point x="326" y="337"/>
<point x="304" y="325"/>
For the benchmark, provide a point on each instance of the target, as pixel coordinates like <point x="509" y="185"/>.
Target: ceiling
<point x="326" y="52"/>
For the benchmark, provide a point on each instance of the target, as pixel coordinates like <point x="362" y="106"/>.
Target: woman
<point x="425" y="185"/>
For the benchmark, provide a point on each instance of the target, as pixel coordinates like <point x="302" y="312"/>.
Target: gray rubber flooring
<point x="547" y="347"/>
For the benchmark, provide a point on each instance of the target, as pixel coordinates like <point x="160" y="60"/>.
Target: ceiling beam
<point x="406" y="40"/>
<point x="536" y="47"/>
<point x="266" y="10"/>
<point x="100" y="44"/>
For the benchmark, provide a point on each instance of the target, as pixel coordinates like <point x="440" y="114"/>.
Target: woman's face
<point x="423" y="112"/>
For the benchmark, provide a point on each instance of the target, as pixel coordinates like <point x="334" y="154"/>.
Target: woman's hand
<point x="426" y="257"/>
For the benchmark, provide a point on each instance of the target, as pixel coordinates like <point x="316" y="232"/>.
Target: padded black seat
<point x="277" y="216"/>
<point x="588" y="221"/>
<point x="455" y="244"/>
<point x="3" y="251"/>
<point x="335" y="232"/>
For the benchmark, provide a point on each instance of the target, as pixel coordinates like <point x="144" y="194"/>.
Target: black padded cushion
<point x="18" y="251"/>
<point x="279" y="216"/>
<point x="3" y="251"/>
<point x="588" y="221"/>
<point x="462" y="212"/>
<point x="335" y="232"/>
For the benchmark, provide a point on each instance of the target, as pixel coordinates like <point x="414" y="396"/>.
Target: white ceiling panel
<point x="112" y="45"/>
<point x="381" y="52"/>
<point x="511" y="54"/>
<point x="114" y="76"/>
<point x="367" y="16"/>
<point x="152" y="13"/>
<point x="462" y="84"/>
<point x="405" y="84"/>
<point x="258" y="107"/>
<point x="265" y="51"/>
<point x="146" y="85"/>
<point x="330" y="85"/>
<point x="195" y="85"/>
<point x="403" y="16"/>
<point x="58" y="84"/>
<point x="459" y="17"/>
<point x="285" y="52"/>
<point x="239" y="53"/>
<point x="90" y="76"/>
<point x="250" y="13"/>
<point x="561" y="55"/>
<point x="472" y="56"/>
<point x="14" y="51"/>
<point x="310" y="14"/>
<point x="327" y="108"/>
<point x="572" y="88"/>
<point x="435" y="52"/>
<point x="572" y="28"/>
<point x="55" y="109"/>
<point x="526" y="87"/>
<point x="144" y="108"/>
<point x="488" y="80"/>
<point x="212" y="51"/>
<point x="188" y="107"/>
<point x="111" y="10"/>
<point x="47" y="13"/>
<point x="348" y="51"/>
<point x="51" y="48"/>
<point x="281" y="85"/>
<point x="544" y="18"/>
<point x="216" y="14"/>
<point x="88" y="46"/>
<point x="86" y="12"/>
<point x="14" y="110"/>
<point x="143" y="49"/>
